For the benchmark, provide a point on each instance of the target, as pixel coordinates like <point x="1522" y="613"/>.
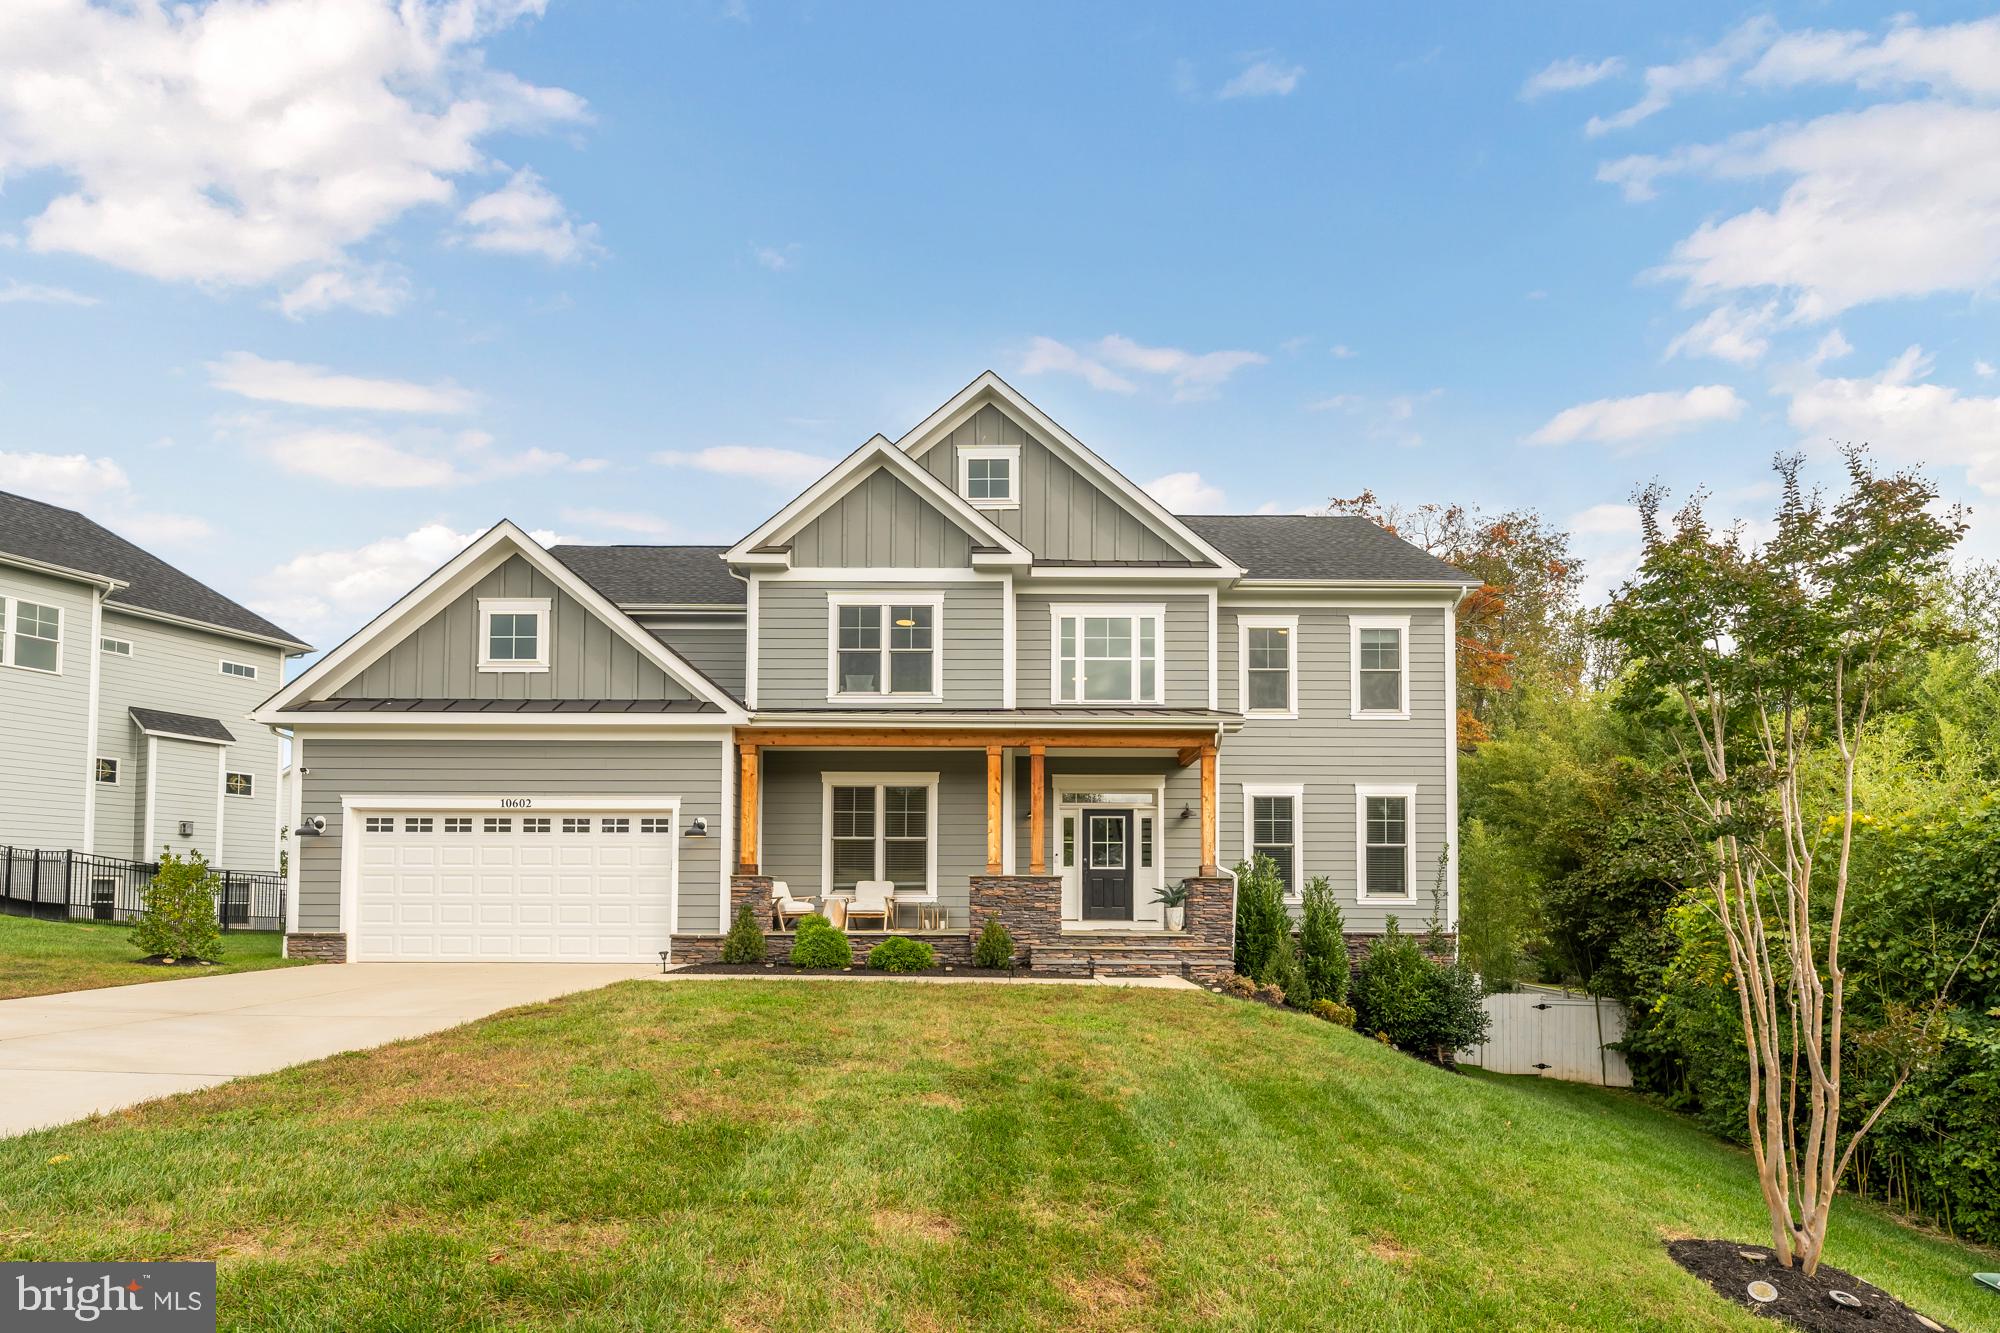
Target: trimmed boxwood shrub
<point x="745" y="942"/>
<point x="179" y="920"/>
<point x="900" y="954"/>
<point x="995" y="947"/>
<point x="1333" y="1012"/>
<point x="820" y="945"/>
<point x="1415" y="1003"/>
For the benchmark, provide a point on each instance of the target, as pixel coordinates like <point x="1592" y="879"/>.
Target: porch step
<point x="1080" y="953"/>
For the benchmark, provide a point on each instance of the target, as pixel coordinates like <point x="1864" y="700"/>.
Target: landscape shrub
<point x="1415" y="1003"/>
<point x="1322" y="944"/>
<point x="821" y="945"/>
<point x="1235" y="983"/>
<point x="1261" y="918"/>
<point x="1271" y="993"/>
<point x="179" y="917"/>
<point x="900" y="954"/>
<point x="745" y="941"/>
<point x="1288" y="974"/>
<point x="995" y="947"/>
<point x="1334" y="1012"/>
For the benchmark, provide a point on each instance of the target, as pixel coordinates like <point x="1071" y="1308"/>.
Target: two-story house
<point x="976" y="662"/>
<point x="126" y="689"/>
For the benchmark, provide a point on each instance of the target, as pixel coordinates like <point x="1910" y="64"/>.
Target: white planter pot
<point x="1176" y="918"/>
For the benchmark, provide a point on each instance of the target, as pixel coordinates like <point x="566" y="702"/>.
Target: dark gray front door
<point x="1107" y="865"/>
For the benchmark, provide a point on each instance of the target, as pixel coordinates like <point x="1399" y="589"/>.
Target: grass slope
<point x="790" y="1155"/>
<point x="44" y="957"/>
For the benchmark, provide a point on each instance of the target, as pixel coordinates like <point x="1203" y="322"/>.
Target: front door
<point x="1107" y="865"/>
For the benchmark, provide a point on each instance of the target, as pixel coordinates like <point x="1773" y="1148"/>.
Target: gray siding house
<point x="126" y="689"/>
<point x="974" y="663"/>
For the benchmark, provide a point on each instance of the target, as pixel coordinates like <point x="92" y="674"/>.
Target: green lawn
<point x="43" y="957"/>
<point x="877" y="1156"/>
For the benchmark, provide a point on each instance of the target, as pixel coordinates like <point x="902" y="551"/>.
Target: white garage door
<point x="448" y="885"/>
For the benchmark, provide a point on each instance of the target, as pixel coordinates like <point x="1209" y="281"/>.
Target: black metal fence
<point x="78" y="886"/>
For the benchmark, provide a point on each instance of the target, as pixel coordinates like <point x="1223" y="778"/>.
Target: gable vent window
<point x="241" y="670"/>
<point x="513" y="634"/>
<point x="989" y="476"/>
<point x="884" y="650"/>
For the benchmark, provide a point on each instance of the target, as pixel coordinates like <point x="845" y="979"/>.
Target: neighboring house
<point x="127" y="688"/>
<point x="976" y="661"/>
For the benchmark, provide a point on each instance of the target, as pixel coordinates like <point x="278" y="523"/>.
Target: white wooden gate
<point x="1554" y="1035"/>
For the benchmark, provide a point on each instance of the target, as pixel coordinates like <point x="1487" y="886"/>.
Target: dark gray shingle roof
<point x="182" y="724"/>
<point x="1319" y="546"/>
<point x="57" y="536"/>
<point x="655" y="575"/>
<point x="508" y="706"/>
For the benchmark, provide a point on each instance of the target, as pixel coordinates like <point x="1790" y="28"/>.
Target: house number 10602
<point x="516" y="803"/>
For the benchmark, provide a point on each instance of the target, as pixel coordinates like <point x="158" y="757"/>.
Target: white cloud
<point x="777" y="258"/>
<point x="1951" y="58"/>
<point x="523" y="217"/>
<point x="1567" y="75"/>
<point x="72" y="480"/>
<point x="372" y="290"/>
<point x="1046" y="355"/>
<point x="1192" y="375"/>
<point x="1729" y="333"/>
<point x="1343" y="352"/>
<point x="1983" y="369"/>
<point x="1389" y="420"/>
<point x="1642" y="416"/>
<point x="1606" y="537"/>
<point x="777" y="467"/>
<point x="1708" y="68"/>
<point x="1902" y="416"/>
<point x="235" y="143"/>
<point x="1186" y="493"/>
<point x="617" y="520"/>
<point x="361" y="460"/>
<point x="251" y="376"/>
<point x="1263" y="78"/>
<point x="36" y="293"/>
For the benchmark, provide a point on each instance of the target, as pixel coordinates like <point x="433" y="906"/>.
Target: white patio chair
<point x="786" y="909"/>
<point x="874" y="898"/>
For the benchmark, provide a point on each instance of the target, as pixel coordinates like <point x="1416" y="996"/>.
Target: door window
<point x="1107" y="842"/>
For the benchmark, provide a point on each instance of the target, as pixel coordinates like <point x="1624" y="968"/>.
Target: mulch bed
<point x="161" y="960"/>
<point x="859" y="970"/>
<point x="1804" y="1302"/>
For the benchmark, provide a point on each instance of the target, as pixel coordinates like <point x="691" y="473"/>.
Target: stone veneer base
<point x="326" y="946"/>
<point x="952" y="947"/>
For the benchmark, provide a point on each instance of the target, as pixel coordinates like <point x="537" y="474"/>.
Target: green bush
<point x="179" y="919"/>
<point x="1261" y="918"/>
<point x="1334" y="1012"/>
<point x="1288" y="974"/>
<point x="1415" y="1003"/>
<point x="1322" y="944"/>
<point x="995" y="947"/>
<point x="821" y="946"/>
<point x="900" y="954"/>
<point x="745" y="941"/>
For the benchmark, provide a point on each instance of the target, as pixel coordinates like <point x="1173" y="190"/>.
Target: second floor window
<point x="242" y="784"/>
<point x="1381" y="666"/>
<point x="241" y="670"/>
<point x="1112" y="657"/>
<point x="885" y="649"/>
<point x="1270" y="678"/>
<point x="35" y="641"/>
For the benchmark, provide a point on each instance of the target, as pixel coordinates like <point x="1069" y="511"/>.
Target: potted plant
<point x="1173" y="898"/>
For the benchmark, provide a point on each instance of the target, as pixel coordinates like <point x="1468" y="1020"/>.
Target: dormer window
<point x="990" y="476"/>
<point x="513" y="634"/>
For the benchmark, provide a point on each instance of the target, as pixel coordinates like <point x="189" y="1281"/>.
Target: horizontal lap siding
<point x="1185" y="644"/>
<point x="1329" y="752"/>
<point x="882" y="524"/>
<point x="794" y="809"/>
<point x="440" y="659"/>
<point x="792" y="640"/>
<point x="1180" y="838"/>
<point x="44" y="759"/>
<point x="689" y="769"/>
<point x="184" y="788"/>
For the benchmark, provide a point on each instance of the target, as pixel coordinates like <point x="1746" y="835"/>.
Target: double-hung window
<point x="1274" y="826"/>
<point x="990" y="476"/>
<point x="513" y="634"/>
<point x="1380" y="681"/>
<point x="881" y="826"/>
<point x="1268" y="649"/>
<point x="1108" y="654"/>
<point x="1385" y="822"/>
<point x="883" y="648"/>
<point x="31" y="635"/>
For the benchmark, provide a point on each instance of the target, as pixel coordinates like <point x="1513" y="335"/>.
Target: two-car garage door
<point x="562" y="886"/>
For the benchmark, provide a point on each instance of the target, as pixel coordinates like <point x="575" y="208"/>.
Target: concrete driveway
<point x="64" y="1056"/>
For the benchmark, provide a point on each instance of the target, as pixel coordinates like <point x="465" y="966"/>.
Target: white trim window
<point x="1385" y="844"/>
<point x="240" y="670"/>
<point x="1379" y="657"/>
<point x="879" y="826"/>
<point x="33" y="637"/>
<point x="107" y="771"/>
<point x="884" y="648"/>
<point x="989" y="476"/>
<point x="1267" y="649"/>
<point x="514" y="633"/>
<point x="116" y="647"/>
<point x="242" y="784"/>
<point x="1274" y="825"/>
<point x="1107" y="654"/>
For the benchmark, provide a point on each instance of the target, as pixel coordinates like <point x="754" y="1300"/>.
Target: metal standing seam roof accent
<point x="155" y="722"/>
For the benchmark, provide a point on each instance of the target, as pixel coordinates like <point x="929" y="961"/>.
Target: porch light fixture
<point x="1187" y="811"/>
<point x="697" y="829"/>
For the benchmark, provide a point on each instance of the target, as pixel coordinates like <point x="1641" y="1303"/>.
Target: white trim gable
<point x="990" y="388"/>
<point x="499" y="543"/>
<point x="850" y="472"/>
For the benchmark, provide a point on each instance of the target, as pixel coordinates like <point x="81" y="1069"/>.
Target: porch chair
<point x="874" y="898"/>
<point x="786" y="909"/>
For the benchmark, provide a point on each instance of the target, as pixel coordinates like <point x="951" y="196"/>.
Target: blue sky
<point x="303" y="294"/>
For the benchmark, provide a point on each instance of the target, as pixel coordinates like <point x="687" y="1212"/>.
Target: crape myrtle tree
<point x="1773" y="655"/>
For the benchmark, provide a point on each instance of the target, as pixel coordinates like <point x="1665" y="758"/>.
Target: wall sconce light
<point x="1187" y="812"/>
<point x="697" y="829"/>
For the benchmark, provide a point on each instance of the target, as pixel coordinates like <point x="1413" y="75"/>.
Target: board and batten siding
<point x="713" y="647"/>
<point x="1329" y="752"/>
<point x="792" y="637"/>
<point x="44" y="720"/>
<point x="1184" y="643"/>
<point x="440" y="658"/>
<point x="688" y="769"/>
<point x="179" y="670"/>
<point x="883" y="524"/>
<point x="1063" y="515"/>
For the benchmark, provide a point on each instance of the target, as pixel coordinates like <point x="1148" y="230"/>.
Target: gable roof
<point x="51" y="535"/>
<point x="766" y="544"/>
<point x="656" y="575"/>
<point x="415" y="608"/>
<point x="1321" y="548"/>
<point x="990" y="388"/>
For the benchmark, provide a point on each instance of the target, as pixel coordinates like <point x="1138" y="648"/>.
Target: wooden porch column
<point x="746" y="825"/>
<point x="994" y="823"/>
<point x="1038" y="858"/>
<point x="1208" y="864"/>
